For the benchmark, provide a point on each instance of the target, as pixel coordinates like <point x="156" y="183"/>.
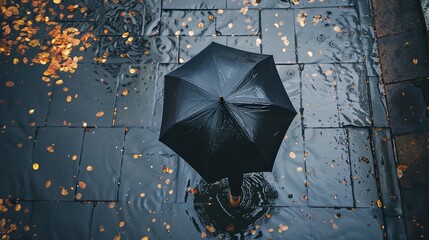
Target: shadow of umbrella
<point x="215" y="212"/>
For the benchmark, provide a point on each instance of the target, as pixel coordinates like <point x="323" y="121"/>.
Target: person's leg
<point x="235" y="183"/>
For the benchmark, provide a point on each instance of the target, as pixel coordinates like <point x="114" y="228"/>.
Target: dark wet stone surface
<point x="321" y="3"/>
<point x="191" y="46"/>
<point x="100" y="164"/>
<point x="395" y="228"/>
<point x="234" y="22"/>
<point x="16" y="146"/>
<point x="163" y="69"/>
<point x="408" y="106"/>
<point x="335" y="95"/>
<point x="289" y="171"/>
<point x="239" y="4"/>
<point x="135" y="99"/>
<point x="387" y="22"/>
<point x="413" y="153"/>
<point x="290" y="76"/>
<point x="117" y="49"/>
<point x="278" y="35"/>
<point x="24" y="97"/>
<point x="127" y="220"/>
<point x="156" y="193"/>
<point x="193" y="4"/>
<point x="55" y="160"/>
<point x="370" y="47"/>
<point x="55" y="215"/>
<point x="386" y="169"/>
<point x="378" y="102"/>
<point x="406" y="55"/>
<point x="352" y="94"/>
<point x="363" y="223"/>
<point x="415" y="212"/>
<point x="187" y="23"/>
<point x="123" y="16"/>
<point x="105" y="221"/>
<point x="245" y="43"/>
<point x="16" y="216"/>
<point x="146" y="158"/>
<point x="86" y="98"/>
<point x="328" y="168"/>
<point x="319" y="97"/>
<point x="324" y="35"/>
<point x="363" y="174"/>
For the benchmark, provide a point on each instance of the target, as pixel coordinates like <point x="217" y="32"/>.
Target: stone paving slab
<point x="55" y="164"/>
<point x="336" y="224"/>
<point x="328" y="168"/>
<point x="135" y="98"/>
<point x="278" y="35"/>
<point x="408" y="106"/>
<point x="16" y="146"/>
<point x="55" y="215"/>
<point x="23" y="103"/>
<point x="324" y="35"/>
<point x="386" y="22"/>
<point x="386" y="169"/>
<point x="415" y="212"/>
<point x="235" y="23"/>
<point x="407" y="55"/>
<point x="188" y="23"/>
<point x="365" y="191"/>
<point x="86" y="97"/>
<point x="100" y="164"/>
<point x="413" y="152"/>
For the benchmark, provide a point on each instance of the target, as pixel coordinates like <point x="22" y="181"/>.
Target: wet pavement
<point x="81" y="99"/>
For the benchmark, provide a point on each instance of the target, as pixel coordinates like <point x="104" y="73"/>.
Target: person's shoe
<point x="234" y="201"/>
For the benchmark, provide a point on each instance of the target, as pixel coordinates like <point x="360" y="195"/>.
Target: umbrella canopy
<point x="226" y="112"/>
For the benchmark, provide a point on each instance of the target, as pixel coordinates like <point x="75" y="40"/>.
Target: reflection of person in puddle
<point x="235" y="195"/>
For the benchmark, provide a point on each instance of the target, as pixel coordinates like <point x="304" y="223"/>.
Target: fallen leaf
<point x="48" y="184"/>
<point x="9" y="84"/>
<point x="210" y="229"/>
<point x="64" y="192"/>
<point x="82" y="185"/>
<point x="36" y="166"/>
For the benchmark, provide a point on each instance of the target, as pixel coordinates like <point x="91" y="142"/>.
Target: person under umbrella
<point x="226" y="112"/>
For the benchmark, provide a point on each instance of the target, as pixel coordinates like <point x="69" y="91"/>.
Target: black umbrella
<point x="226" y="112"/>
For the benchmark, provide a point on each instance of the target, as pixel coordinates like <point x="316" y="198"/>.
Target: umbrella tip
<point x="221" y="100"/>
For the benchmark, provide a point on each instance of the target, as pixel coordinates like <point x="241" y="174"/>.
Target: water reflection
<point x="214" y="211"/>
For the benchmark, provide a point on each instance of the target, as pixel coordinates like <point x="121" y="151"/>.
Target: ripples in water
<point x="213" y="208"/>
